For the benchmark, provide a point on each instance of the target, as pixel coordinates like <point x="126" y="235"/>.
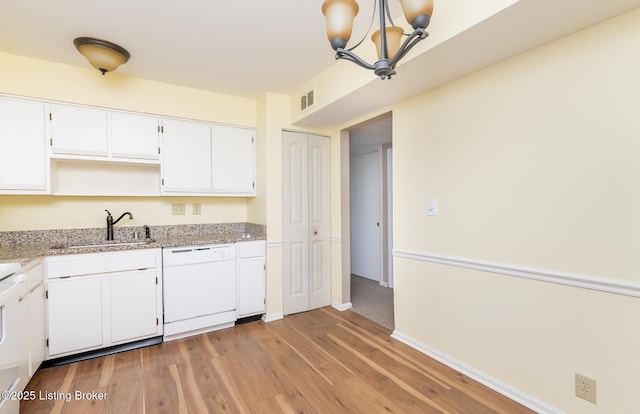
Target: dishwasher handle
<point x="181" y="251"/>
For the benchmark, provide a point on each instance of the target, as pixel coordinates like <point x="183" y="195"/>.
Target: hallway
<point x="372" y="301"/>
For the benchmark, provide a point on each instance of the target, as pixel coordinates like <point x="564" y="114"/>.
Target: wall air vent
<point x="308" y="100"/>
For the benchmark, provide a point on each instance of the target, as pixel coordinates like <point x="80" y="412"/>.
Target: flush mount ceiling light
<point x="101" y="54"/>
<point x="340" y="14"/>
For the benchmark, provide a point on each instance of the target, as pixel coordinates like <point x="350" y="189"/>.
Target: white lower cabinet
<point x="134" y="307"/>
<point x="251" y="278"/>
<point x="75" y="314"/>
<point x="37" y="327"/>
<point x="32" y="315"/>
<point x="99" y="300"/>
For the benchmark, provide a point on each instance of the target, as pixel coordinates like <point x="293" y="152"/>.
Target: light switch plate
<point x="432" y="206"/>
<point x="197" y="209"/>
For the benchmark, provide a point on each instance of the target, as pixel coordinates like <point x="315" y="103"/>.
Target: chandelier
<point x="339" y="15"/>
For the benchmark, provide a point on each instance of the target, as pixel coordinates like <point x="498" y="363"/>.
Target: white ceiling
<point x="242" y="48"/>
<point x="245" y="48"/>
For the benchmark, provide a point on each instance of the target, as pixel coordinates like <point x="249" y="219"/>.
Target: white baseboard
<point x="272" y="317"/>
<point x="505" y="389"/>
<point x="342" y="306"/>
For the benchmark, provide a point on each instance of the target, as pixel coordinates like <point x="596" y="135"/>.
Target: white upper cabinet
<point x="23" y="161"/>
<point x="134" y="136"/>
<point x="186" y="157"/>
<point x="233" y="160"/>
<point x="67" y="149"/>
<point x="79" y="131"/>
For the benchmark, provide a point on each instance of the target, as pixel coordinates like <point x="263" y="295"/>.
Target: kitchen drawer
<point x="95" y="263"/>
<point x="251" y="249"/>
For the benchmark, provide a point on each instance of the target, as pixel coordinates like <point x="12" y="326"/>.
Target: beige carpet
<point x="372" y="301"/>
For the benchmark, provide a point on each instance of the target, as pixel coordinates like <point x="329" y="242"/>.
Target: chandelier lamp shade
<point x="101" y="54"/>
<point x="340" y="14"/>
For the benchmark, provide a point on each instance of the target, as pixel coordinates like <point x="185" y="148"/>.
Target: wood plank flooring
<point x="322" y="361"/>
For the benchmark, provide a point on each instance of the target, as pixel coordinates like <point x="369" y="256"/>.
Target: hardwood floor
<point x="322" y="361"/>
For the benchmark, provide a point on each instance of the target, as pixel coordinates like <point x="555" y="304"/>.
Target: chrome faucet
<point x="110" y="223"/>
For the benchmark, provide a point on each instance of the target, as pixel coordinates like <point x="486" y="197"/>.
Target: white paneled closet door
<point x="306" y="221"/>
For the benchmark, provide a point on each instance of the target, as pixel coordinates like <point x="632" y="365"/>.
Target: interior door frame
<point x="345" y="219"/>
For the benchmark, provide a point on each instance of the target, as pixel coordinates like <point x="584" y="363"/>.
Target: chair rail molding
<point x="617" y="286"/>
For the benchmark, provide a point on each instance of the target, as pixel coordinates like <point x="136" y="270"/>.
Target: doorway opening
<point x="371" y="224"/>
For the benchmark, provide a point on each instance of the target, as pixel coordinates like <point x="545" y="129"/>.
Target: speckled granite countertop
<point x="24" y="246"/>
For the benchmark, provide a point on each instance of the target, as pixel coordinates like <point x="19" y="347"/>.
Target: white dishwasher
<point x="199" y="289"/>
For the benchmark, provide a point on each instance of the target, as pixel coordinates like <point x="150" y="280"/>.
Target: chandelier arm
<point x="347" y="54"/>
<point x="413" y="39"/>
<point x="373" y="17"/>
<point x="386" y="7"/>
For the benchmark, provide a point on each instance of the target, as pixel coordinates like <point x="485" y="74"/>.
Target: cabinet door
<point x="37" y="328"/>
<point x="22" y="145"/>
<point x="186" y="157"/>
<point x="134" y="136"/>
<point x="134" y="306"/>
<point x="233" y="160"/>
<point x="78" y="131"/>
<point x="251" y="286"/>
<point x="74" y="309"/>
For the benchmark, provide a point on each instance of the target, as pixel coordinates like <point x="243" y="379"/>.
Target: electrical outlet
<point x="586" y="388"/>
<point x="177" y="209"/>
<point x="196" y="209"/>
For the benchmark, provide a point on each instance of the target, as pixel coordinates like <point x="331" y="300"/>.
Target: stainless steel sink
<point x="101" y="245"/>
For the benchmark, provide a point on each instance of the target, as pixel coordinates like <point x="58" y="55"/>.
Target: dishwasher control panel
<point x="176" y="256"/>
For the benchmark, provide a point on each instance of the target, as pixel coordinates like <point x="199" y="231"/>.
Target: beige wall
<point x="534" y="162"/>
<point x="53" y="212"/>
<point x="57" y="82"/>
<point x="48" y="80"/>
<point x="273" y="116"/>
